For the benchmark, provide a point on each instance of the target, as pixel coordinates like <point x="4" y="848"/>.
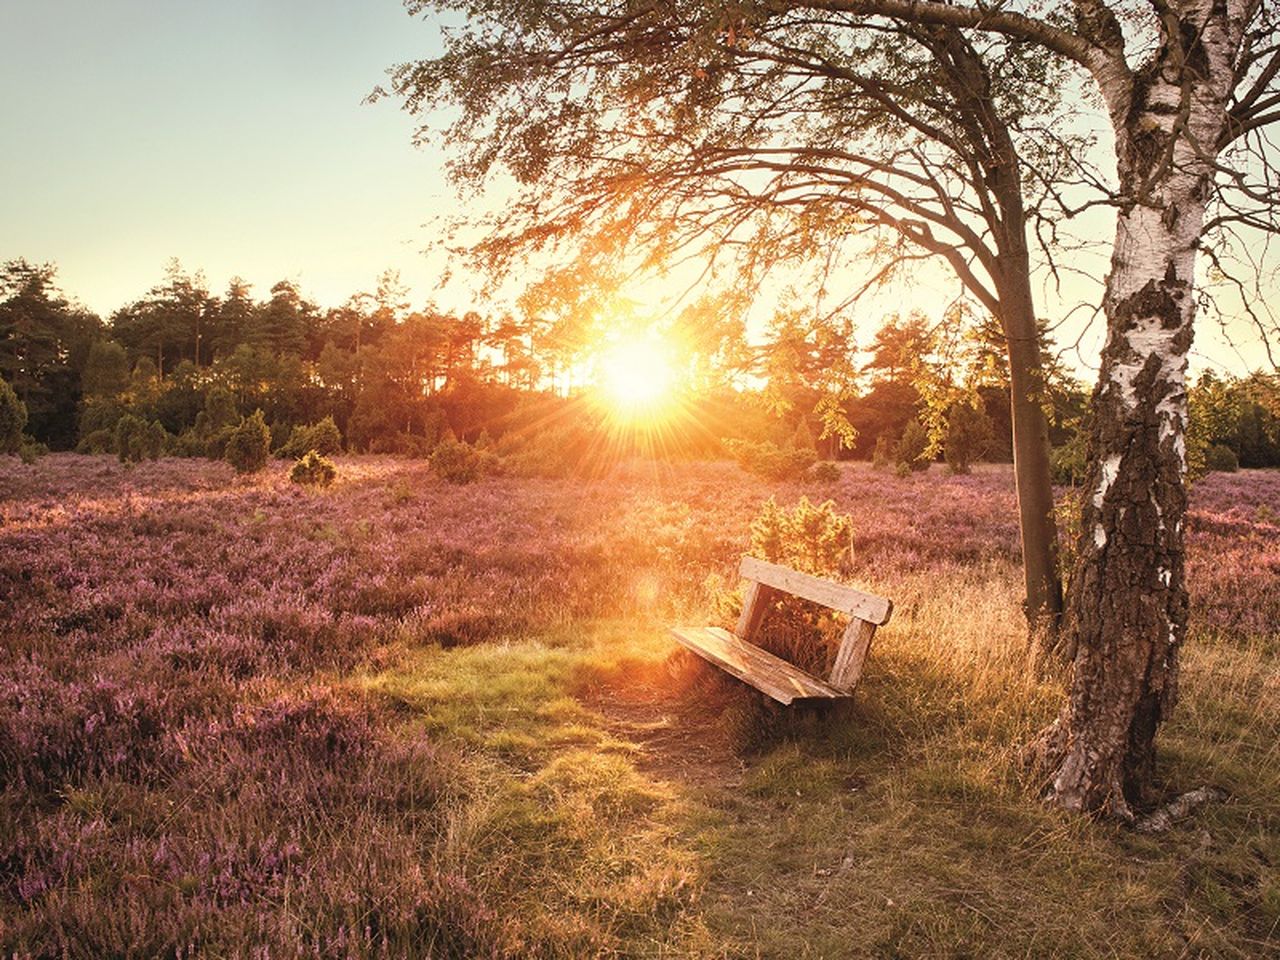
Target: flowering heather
<point x="1234" y="554"/>
<point x="188" y="764"/>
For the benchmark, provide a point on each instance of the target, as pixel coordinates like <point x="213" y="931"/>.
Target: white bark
<point x="1129" y="605"/>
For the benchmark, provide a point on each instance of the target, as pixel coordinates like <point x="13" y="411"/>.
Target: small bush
<point x="808" y="537"/>
<point x="295" y="446"/>
<point x="216" y="445"/>
<point x="815" y="539"/>
<point x="1067" y="512"/>
<point x="219" y="410"/>
<point x="770" y="461"/>
<point x="802" y="439"/>
<point x="249" y="445"/>
<point x="99" y="413"/>
<point x="281" y="434"/>
<point x="189" y="443"/>
<point x="13" y="419"/>
<point x="402" y="444"/>
<point x="323" y="437"/>
<point x="456" y="462"/>
<point x="911" y="450"/>
<point x="824" y="471"/>
<point x="31" y="450"/>
<point x="882" y="455"/>
<point x="137" y="440"/>
<point x="99" y="441"/>
<point x="1220" y="458"/>
<point x="313" y="470"/>
<point x="564" y="450"/>
<point x="969" y="436"/>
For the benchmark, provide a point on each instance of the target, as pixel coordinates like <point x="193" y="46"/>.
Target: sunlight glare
<point x="636" y="376"/>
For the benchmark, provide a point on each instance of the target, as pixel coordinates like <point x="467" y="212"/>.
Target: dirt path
<point x="671" y="714"/>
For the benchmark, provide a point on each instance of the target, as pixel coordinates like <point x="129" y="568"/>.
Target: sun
<point x="637" y="377"/>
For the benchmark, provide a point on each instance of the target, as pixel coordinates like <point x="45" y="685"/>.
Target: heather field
<point x="402" y="718"/>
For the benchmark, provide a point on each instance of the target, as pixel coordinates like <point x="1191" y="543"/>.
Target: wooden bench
<point x="771" y="675"/>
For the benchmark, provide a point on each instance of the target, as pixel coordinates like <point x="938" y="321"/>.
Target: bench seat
<point x="783" y="681"/>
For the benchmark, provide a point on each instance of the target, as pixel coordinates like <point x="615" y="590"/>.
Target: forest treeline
<point x="181" y="366"/>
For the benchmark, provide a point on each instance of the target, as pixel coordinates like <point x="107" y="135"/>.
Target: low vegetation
<point x="409" y="718"/>
<point x="248" y="445"/>
<point x="313" y="470"/>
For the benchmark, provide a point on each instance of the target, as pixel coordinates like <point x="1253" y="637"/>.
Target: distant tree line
<point x="178" y="370"/>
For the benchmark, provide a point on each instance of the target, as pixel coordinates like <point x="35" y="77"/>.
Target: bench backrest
<point x="837" y="596"/>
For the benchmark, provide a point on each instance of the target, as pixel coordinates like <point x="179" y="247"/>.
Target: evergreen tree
<point x="13" y="419"/>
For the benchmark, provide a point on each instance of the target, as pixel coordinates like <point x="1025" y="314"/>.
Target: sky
<point x="229" y="134"/>
<point x="232" y="135"/>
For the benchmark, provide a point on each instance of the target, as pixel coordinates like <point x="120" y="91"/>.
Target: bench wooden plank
<point x="837" y="596"/>
<point x="852" y="654"/>
<point x="755" y="606"/>
<point x="771" y="675"/>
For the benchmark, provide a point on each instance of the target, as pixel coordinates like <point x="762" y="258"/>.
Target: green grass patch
<point x="899" y="826"/>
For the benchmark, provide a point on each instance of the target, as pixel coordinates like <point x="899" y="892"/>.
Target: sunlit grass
<point x="903" y="826"/>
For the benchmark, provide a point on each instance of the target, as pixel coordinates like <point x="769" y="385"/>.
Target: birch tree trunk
<point x="1127" y="609"/>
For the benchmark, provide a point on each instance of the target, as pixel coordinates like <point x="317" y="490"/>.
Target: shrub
<point x="824" y="471"/>
<point x="249" y="445"/>
<point x="281" y="433"/>
<point x="882" y="456"/>
<point x="293" y="447"/>
<point x="402" y="444"/>
<point x="563" y="450"/>
<point x="157" y="439"/>
<point x="770" y="461"/>
<point x="31" y="450"/>
<point x="911" y="450"/>
<point x="189" y="443"/>
<point x="313" y="470"/>
<point x="969" y="436"/>
<point x="13" y="419"/>
<point x="456" y="462"/>
<point x="802" y="439"/>
<point x="99" y="441"/>
<point x="811" y="538"/>
<point x="100" y="414"/>
<point x="1220" y="458"/>
<point x="137" y="440"/>
<point x="326" y="438"/>
<point x="219" y="410"/>
<point x="1067" y="513"/>
<point x="814" y="539"/>
<point x="323" y="437"/>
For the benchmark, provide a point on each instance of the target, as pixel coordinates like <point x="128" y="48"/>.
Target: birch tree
<point x="771" y="131"/>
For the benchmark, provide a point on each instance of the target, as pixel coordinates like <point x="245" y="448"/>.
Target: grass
<point x="901" y="828"/>
<point x="398" y="718"/>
